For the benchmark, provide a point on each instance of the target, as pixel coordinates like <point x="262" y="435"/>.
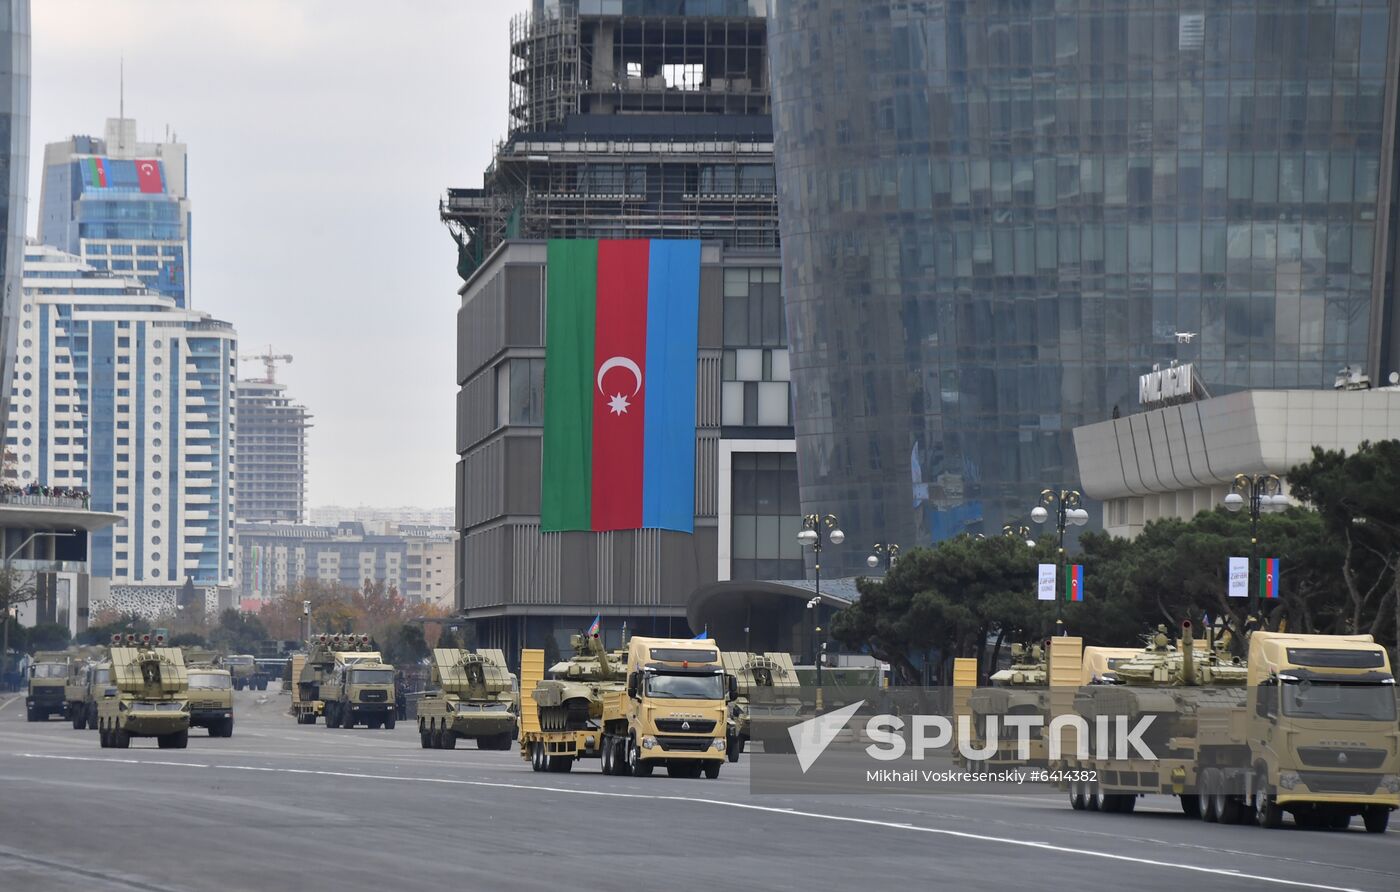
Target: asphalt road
<point x="287" y="806"/>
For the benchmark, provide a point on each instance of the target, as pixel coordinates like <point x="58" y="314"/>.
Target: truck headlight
<point x="1391" y="783"/>
<point x="717" y="744"/>
<point x="1288" y="779"/>
<point x="648" y="742"/>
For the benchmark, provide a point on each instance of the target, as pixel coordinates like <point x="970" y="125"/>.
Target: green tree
<point x="237" y="632"/>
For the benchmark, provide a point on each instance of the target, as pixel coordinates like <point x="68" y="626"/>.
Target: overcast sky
<point x="321" y="134"/>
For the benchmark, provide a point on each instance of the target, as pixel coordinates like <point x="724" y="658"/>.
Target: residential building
<point x="992" y="224"/>
<point x="275" y="558"/>
<point x="381" y="519"/>
<point x="271" y="445"/>
<point x="640" y="120"/>
<point x="122" y="205"/>
<point x="120" y="392"/>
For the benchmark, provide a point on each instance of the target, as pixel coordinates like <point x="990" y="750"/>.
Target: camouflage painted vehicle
<point x="473" y="698"/>
<point x="148" y="697"/>
<point x="768" y="691"/>
<point x="360" y="691"/>
<point x="1020" y="689"/>
<point x="45" y="696"/>
<point x="211" y="693"/>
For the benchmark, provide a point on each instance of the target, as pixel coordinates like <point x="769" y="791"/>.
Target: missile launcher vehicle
<point x="148" y="695"/>
<point x="473" y="698"/>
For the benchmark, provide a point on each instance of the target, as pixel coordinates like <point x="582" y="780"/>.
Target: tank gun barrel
<point x="1188" y="653"/>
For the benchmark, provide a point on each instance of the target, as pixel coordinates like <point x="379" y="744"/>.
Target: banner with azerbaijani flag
<point x="619" y="403"/>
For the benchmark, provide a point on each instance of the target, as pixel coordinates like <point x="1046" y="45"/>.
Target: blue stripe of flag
<point x="673" y="330"/>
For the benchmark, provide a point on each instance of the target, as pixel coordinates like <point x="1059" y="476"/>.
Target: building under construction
<point x="270" y="443"/>
<point x="629" y="119"/>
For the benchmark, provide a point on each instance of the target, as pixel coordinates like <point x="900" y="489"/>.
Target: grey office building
<point x="635" y="119"/>
<point x="995" y="216"/>
<point x="14" y="178"/>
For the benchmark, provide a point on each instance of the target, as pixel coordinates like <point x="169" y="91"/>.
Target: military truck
<point x="671" y="711"/>
<point x="48" y="674"/>
<point x="245" y="672"/>
<point x="74" y="691"/>
<point x="1308" y="727"/>
<point x="211" y="693"/>
<point x="768" y="692"/>
<point x="97" y="677"/>
<point x="307" y="672"/>
<point x="473" y="697"/>
<point x="360" y="691"/>
<point x="148" y="696"/>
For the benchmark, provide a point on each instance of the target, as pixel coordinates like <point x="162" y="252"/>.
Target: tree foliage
<point x="1340" y="574"/>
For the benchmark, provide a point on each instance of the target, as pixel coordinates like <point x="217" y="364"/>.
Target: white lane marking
<point x="845" y="819"/>
<point x="9" y="701"/>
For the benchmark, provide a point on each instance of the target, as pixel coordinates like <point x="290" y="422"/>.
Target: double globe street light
<point x="1069" y="511"/>
<point x="1262" y="494"/>
<point x="883" y="554"/>
<point x="816" y="532"/>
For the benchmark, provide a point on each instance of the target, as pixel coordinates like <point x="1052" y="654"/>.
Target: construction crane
<point x="269" y="361"/>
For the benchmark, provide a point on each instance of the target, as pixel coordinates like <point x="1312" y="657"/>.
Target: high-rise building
<point x="121" y="205"/>
<point x="995" y="219"/>
<point x="14" y="147"/>
<point x="647" y="119"/>
<point x="122" y="393"/>
<point x="271" y="442"/>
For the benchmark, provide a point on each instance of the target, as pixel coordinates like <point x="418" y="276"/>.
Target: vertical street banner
<point x="1074" y="583"/>
<point x="619" y="408"/>
<point x="1239" y="578"/>
<point x="1268" y="578"/>
<point x="1045" y="588"/>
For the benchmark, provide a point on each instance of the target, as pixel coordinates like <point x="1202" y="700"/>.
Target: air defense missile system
<point x="310" y="670"/>
<point x="359" y="691"/>
<point x="473" y="697"/>
<point x="768" y="692"/>
<point x="45" y="696"/>
<point x="148" y="695"/>
<point x="211" y="693"/>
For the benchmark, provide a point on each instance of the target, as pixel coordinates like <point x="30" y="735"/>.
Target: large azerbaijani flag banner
<point x="619" y="400"/>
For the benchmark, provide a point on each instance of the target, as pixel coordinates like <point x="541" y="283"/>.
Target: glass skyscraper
<point x="14" y="180"/>
<point x="120" y="205"/>
<point x="996" y="215"/>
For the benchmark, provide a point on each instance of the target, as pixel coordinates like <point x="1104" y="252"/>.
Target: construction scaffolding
<point x="654" y="126"/>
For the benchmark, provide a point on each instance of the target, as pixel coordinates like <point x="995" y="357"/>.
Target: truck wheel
<point x="1092" y="800"/>
<point x="228" y="727"/>
<point x="121" y="739"/>
<point x="639" y="767"/>
<point x="30" y="715"/>
<point x="92" y="718"/>
<point x="102" y="739"/>
<point x="1077" y="798"/>
<point x="1339" y="822"/>
<point x="605" y="754"/>
<point x="77" y="718"/>
<point x="449" y="739"/>
<point x="534" y="757"/>
<point x="712" y="770"/>
<point x="390" y="720"/>
<point x="1266" y="810"/>
<point x="1191" y="805"/>
<point x="1377" y="818"/>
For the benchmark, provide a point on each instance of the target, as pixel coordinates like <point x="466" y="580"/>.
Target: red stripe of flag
<point x="619" y="379"/>
<point x="148" y="176"/>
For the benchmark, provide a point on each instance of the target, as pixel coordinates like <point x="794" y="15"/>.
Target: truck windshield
<point x="50" y="670"/>
<point x="101" y="676"/>
<point x="210" y="681"/>
<point x="1330" y="700"/>
<point x="685" y="687"/>
<point x="372" y="676"/>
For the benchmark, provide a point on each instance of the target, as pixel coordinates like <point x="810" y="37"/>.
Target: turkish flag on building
<point x="148" y="176"/>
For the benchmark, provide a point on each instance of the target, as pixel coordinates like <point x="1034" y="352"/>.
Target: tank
<point x="148" y="695"/>
<point x="768" y="701"/>
<point x="473" y="698"/>
<point x="570" y="697"/>
<point x="1171" y="680"/>
<point x="1020" y="689"/>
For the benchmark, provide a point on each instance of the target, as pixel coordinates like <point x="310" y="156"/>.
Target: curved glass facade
<point x="995" y="215"/>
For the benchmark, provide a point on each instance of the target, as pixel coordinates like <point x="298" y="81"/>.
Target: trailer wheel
<point x="1191" y="805"/>
<point x="605" y="754"/>
<point x="1092" y="800"/>
<point x="1340" y="822"/>
<point x="1377" y="818"/>
<point x="1077" y="798"/>
<point x="1209" y="784"/>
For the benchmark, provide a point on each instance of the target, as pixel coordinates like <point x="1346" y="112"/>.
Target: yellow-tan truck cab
<point x="148" y="695"/>
<point x="245" y="672"/>
<point x="673" y="712"/>
<point x="1321" y="721"/>
<point x="96" y="678"/>
<point x="359" y="691"/>
<point x="211" y="696"/>
<point x="48" y="674"/>
<point x="473" y="697"/>
<point x="74" y="690"/>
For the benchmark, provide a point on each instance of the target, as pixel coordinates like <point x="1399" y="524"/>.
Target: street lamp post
<point x="306" y="621"/>
<point x="1263" y="494"/>
<point x="882" y="553"/>
<point x="816" y="531"/>
<point x="1066" y="504"/>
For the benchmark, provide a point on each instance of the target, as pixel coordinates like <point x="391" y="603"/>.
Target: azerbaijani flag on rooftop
<point x="619" y="408"/>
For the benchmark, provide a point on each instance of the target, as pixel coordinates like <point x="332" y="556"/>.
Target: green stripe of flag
<point x="565" y="491"/>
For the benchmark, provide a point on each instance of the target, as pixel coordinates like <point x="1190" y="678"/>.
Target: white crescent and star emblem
<point x="147" y="168"/>
<point x="618" y="403"/>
